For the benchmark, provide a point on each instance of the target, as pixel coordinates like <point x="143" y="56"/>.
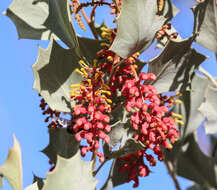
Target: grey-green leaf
<point x="12" y="168"/>
<point x="205" y="24"/>
<point x="209" y="110"/>
<point x="29" y="16"/>
<point x="34" y="186"/>
<point x="61" y="143"/>
<point x="115" y="178"/>
<point x="129" y="147"/>
<point x="191" y="102"/>
<point x="174" y="67"/>
<point x="137" y="26"/>
<point x="193" y="164"/>
<point x="71" y="174"/>
<point x="54" y="72"/>
<point x="198" y="187"/>
<point x="59" y="21"/>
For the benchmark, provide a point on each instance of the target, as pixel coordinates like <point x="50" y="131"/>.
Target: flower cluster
<point x="51" y="115"/>
<point x="151" y="121"/>
<point x="91" y="110"/>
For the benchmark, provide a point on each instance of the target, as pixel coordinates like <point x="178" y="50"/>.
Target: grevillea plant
<point x="101" y="99"/>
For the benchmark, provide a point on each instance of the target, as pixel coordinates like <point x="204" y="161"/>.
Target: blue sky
<point x="19" y="103"/>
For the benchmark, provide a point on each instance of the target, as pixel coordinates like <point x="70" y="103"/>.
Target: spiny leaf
<point x="115" y="178"/>
<point x="191" y="102"/>
<point x="198" y="187"/>
<point x="209" y="110"/>
<point x="193" y="164"/>
<point x="205" y="24"/>
<point x="137" y="25"/>
<point x="12" y="168"/>
<point x="39" y="181"/>
<point x="116" y="134"/>
<point x="175" y="66"/>
<point x="129" y="147"/>
<point x="34" y="186"/>
<point x="61" y="143"/>
<point x="29" y="16"/>
<point x="59" y="21"/>
<point x="71" y="174"/>
<point x="54" y="72"/>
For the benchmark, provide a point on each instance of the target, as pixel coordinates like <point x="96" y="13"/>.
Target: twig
<point x="114" y="69"/>
<point x="97" y="170"/>
<point x="97" y="3"/>
<point x="208" y="75"/>
<point x="91" y="25"/>
<point x="94" y="161"/>
<point x="172" y="173"/>
<point x="116" y="6"/>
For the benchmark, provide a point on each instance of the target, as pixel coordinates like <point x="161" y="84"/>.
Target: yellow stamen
<point x="179" y="121"/>
<point x="75" y="85"/>
<point x="137" y="54"/>
<point x="84" y="71"/>
<point x="109" y="101"/>
<point x="177" y="115"/>
<point x="83" y="63"/>
<point x="179" y="101"/>
<point x="94" y="63"/>
<point x="78" y="71"/>
<point x="135" y="66"/>
<point x="131" y="59"/>
<point x="104" y="44"/>
<point x="110" y="58"/>
<point x="106" y="29"/>
<point x="89" y="82"/>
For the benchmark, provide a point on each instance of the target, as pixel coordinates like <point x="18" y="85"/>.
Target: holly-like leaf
<point x="193" y="164"/>
<point x="54" y="72"/>
<point x="137" y="26"/>
<point x="175" y="66"/>
<point x="129" y="147"/>
<point x="115" y="178"/>
<point x="198" y="187"/>
<point x="12" y="168"/>
<point x="209" y="110"/>
<point x="34" y="186"/>
<point x="59" y="21"/>
<point x="71" y="174"/>
<point x="116" y="134"/>
<point x="191" y="102"/>
<point x="205" y="24"/>
<point x="38" y="19"/>
<point x="28" y="17"/>
<point x="89" y="48"/>
<point x="61" y="143"/>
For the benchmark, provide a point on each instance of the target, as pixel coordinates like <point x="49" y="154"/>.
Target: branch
<point x="114" y="69"/>
<point x="208" y="75"/>
<point x="116" y="6"/>
<point x="172" y="173"/>
<point x="97" y="170"/>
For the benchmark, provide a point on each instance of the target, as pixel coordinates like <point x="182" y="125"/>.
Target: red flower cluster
<point x="91" y="111"/>
<point x="152" y="125"/>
